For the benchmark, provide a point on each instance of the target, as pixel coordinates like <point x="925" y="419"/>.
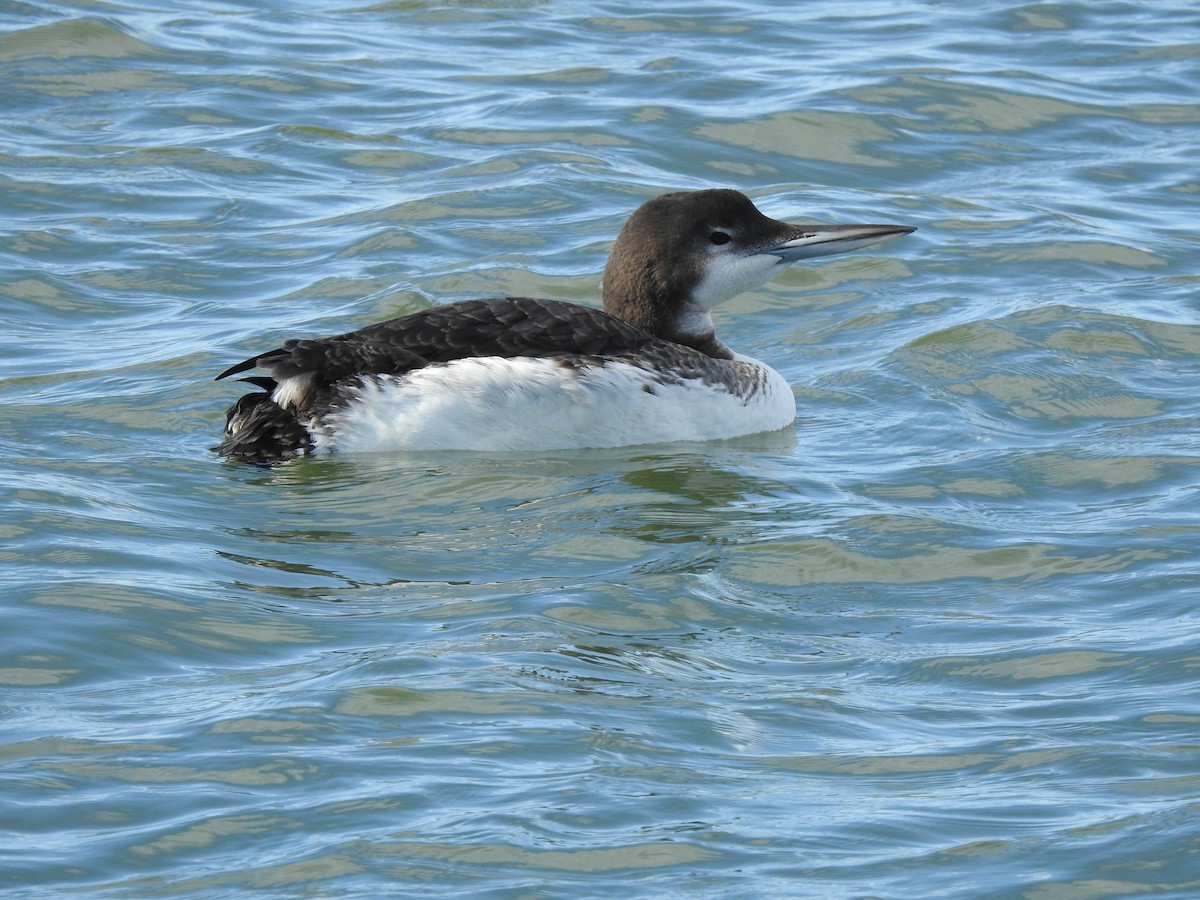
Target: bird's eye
<point x="719" y="237"/>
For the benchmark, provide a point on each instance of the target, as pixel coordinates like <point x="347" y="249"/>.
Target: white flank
<point x="494" y="404"/>
<point x="292" y="393"/>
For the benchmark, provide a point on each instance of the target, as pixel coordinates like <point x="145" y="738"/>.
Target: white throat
<point x="728" y="274"/>
<point x="694" y="322"/>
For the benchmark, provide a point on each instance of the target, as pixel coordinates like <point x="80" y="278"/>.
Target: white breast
<point x="495" y="404"/>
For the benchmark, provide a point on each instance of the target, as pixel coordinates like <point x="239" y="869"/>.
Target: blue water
<point x="940" y="639"/>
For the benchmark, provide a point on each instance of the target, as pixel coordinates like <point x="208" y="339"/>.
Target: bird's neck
<point x="647" y="304"/>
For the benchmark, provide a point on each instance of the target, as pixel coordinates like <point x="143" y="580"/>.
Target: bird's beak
<point x="825" y="240"/>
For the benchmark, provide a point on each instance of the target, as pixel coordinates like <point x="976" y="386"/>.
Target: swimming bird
<point x="519" y="373"/>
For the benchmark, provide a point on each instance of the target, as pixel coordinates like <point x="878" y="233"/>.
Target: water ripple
<point x="938" y="635"/>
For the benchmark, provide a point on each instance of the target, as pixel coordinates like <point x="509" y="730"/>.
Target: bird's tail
<point x="260" y="431"/>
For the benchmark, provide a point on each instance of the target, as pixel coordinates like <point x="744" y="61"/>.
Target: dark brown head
<point x="681" y="254"/>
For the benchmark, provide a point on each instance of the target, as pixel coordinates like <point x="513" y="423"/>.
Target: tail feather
<point x="260" y="431"/>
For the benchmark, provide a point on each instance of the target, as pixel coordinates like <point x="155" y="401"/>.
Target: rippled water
<point x="941" y="639"/>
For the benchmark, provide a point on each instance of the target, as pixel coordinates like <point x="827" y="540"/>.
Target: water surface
<point x="939" y="639"/>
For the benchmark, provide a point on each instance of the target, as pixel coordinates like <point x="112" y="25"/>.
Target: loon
<point x="518" y="373"/>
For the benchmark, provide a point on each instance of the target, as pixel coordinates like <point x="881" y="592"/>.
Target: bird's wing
<point x="507" y="327"/>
